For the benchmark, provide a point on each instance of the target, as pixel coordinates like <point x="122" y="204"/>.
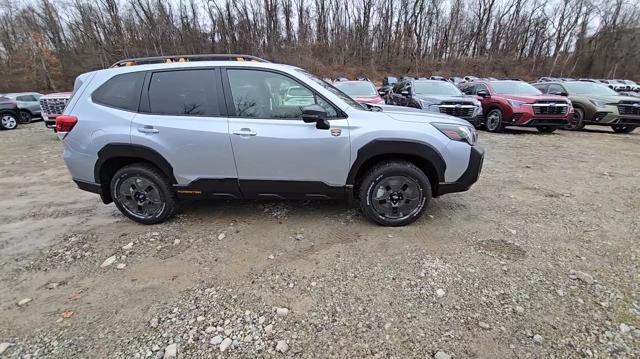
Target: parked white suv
<point x="147" y="132"/>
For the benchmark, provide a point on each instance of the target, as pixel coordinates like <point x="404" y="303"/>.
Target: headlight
<point x="458" y="132"/>
<point x="516" y="103"/>
<point x="598" y="103"/>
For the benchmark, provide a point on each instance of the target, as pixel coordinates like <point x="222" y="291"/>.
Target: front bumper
<point x="609" y="116"/>
<point x="529" y="119"/>
<point x="468" y="178"/>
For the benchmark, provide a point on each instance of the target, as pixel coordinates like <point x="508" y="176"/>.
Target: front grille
<point x="550" y="108"/>
<point x="629" y="108"/>
<point x="457" y="109"/>
<point x="53" y="105"/>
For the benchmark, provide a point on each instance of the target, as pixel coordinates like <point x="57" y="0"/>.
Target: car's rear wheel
<point x="623" y="129"/>
<point x="25" y="117"/>
<point x="143" y="193"/>
<point x="546" y="129"/>
<point x="394" y="193"/>
<point x="493" y="121"/>
<point x="8" y="121"/>
<point x="577" y="121"/>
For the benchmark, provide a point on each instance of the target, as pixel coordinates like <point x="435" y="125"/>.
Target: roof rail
<point x="187" y="58"/>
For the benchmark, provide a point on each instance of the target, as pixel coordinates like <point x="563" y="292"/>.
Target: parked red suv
<point x="516" y="103"/>
<point x="361" y="91"/>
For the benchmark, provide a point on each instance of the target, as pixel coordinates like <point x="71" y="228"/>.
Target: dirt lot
<point x="540" y="259"/>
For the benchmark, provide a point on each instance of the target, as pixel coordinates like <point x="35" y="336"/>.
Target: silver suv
<point x="147" y="132"/>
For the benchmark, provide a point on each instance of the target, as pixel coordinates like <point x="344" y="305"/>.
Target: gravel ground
<point x="540" y="259"/>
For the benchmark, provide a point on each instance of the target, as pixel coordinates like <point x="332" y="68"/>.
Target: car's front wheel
<point x="493" y="122"/>
<point x="143" y="193"/>
<point x="546" y="129"/>
<point x="8" y="121"/>
<point x="394" y="193"/>
<point x="623" y="129"/>
<point x="25" y="117"/>
<point x="576" y="122"/>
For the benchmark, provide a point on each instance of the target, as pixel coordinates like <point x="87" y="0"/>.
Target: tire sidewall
<point x="578" y="123"/>
<point x="371" y="184"/>
<point x="14" y="118"/>
<point x="22" y="120"/>
<point x="126" y="173"/>
<point x="499" y="126"/>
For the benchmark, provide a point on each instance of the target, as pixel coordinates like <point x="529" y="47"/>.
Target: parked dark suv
<point x="516" y="103"/>
<point x="436" y="96"/>
<point x="8" y="114"/>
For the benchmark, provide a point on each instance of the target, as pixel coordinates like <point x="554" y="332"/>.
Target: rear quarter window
<point x="121" y="91"/>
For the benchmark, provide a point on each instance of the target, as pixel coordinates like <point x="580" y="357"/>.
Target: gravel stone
<point x="282" y="346"/>
<point x="107" y="262"/>
<point x="171" y="351"/>
<point x="226" y="343"/>
<point x="442" y="355"/>
<point x="282" y="312"/>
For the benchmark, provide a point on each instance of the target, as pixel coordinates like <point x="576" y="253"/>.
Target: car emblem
<point x="636" y="104"/>
<point x="458" y="105"/>
<point x="336" y="132"/>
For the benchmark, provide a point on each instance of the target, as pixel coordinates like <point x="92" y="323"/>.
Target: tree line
<point x="44" y="44"/>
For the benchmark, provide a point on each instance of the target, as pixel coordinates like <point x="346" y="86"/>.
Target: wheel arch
<point x="113" y="157"/>
<point x="423" y="155"/>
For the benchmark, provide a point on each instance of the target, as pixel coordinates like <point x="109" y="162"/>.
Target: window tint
<point x="555" y="89"/>
<point x="183" y="92"/>
<point x="26" y="98"/>
<point x="121" y="91"/>
<point x="469" y="90"/>
<point x="263" y="94"/>
<point x="542" y="87"/>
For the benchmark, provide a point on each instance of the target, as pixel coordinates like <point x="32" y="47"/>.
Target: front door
<point x="276" y="153"/>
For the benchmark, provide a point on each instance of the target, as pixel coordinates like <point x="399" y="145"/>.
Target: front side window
<point x="555" y="89"/>
<point x="183" y="93"/>
<point x="121" y="91"/>
<point x="469" y="90"/>
<point x="542" y="87"/>
<point x="26" y="98"/>
<point x="269" y="95"/>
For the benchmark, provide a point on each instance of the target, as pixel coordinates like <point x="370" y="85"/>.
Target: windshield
<point x="514" y="88"/>
<point x="435" y="88"/>
<point x="357" y="88"/>
<point x="344" y="97"/>
<point x="589" y="88"/>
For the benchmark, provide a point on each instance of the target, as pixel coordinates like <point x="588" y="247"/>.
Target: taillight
<point x="64" y="125"/>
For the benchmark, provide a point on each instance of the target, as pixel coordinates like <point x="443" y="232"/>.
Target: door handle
<point x="245" y="132"/>
<point x="148" y="129"/>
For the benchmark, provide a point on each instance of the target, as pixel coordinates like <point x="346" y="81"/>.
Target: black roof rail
<point x="187" y="58"/>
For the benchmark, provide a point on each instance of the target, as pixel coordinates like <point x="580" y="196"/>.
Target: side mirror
<point x="382" y="93"/>
<point x="483" y="93"/>
<point x="317" y="114"/>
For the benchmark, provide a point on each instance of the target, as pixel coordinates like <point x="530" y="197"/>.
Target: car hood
<point x="611" y="99"/>
<point x="435" y="99"/>
<point x="531" y="99"/>
<point x="409" y="114"/>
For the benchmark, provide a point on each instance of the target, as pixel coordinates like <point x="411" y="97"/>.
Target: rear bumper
<point x="468" y="178"/>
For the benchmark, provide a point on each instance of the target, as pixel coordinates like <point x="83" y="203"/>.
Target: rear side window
<point x="26" y="98"/>
<point x="121" y="91"/>
<point x="183" y="92"/>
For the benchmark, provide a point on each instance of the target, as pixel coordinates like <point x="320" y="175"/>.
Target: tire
<point x="546" y="129"/>
<point x="493" y="121"/>
<point x="394" y="184"/>
<point x="623" y="129"/>
<point x="154" y="203"/>
<point x="25" y="117"/>
<point x="577" y="121"/>
<point x="8" y="121"/>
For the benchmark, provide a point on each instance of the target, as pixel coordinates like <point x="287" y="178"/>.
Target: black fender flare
<point x="397" y="147"/>
<point x="128" y="150"/>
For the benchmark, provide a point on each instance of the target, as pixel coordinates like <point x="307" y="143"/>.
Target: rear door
<point x="276" y="153"/>
<point x="180" y="118"/>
